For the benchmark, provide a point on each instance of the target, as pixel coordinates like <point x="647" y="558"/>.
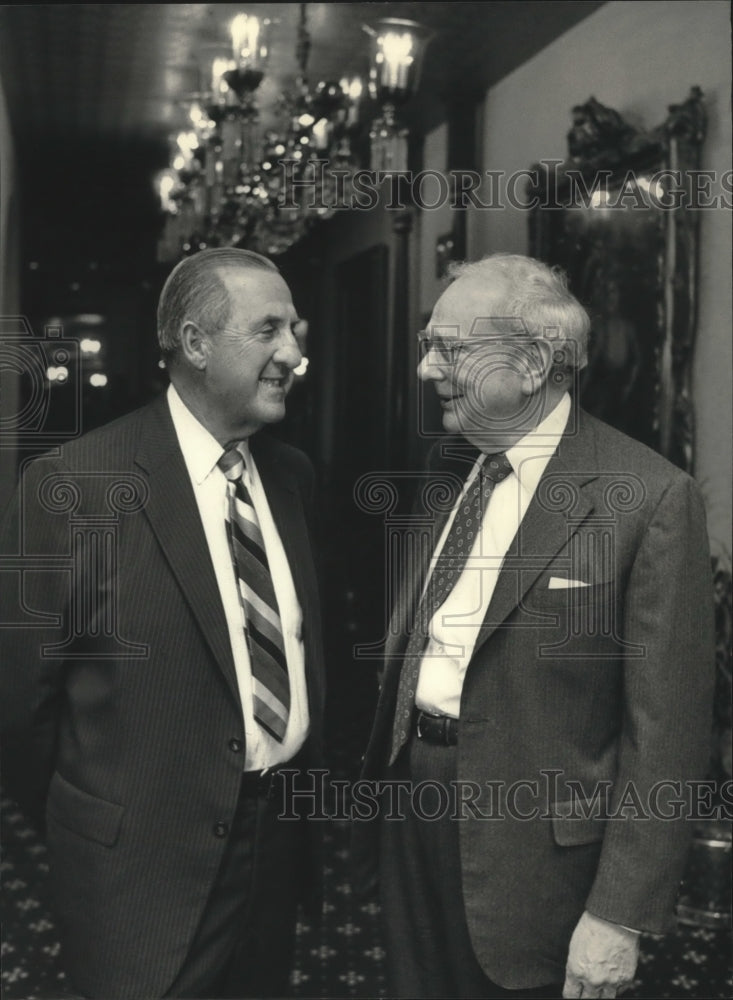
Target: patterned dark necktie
<point x="263" y="628"/>
<point x="450" y="564"/>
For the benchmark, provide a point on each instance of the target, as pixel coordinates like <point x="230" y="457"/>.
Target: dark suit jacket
<point x="609" y="685"/>
<point x="133" y="719"/>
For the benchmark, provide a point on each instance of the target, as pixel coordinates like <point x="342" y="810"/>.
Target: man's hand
<point x="601" y="959"/>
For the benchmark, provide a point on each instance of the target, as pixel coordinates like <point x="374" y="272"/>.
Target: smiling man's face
<point x="481" y="375"/>
<point x="250" y="362"/>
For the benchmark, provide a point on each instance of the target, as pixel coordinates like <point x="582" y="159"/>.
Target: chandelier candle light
<point x="398" y="47"/>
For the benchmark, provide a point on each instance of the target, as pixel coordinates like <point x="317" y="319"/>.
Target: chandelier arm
<point x="303" y="47"/>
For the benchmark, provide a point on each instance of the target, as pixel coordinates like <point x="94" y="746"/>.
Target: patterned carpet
<point x="342" y="956"/>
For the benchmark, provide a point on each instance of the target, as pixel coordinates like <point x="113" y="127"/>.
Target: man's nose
<point x="430" y="368"/>
<point x="288" y="352"/>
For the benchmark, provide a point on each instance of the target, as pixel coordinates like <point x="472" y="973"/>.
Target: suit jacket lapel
<point x="174" y="517"/>
<point x="563" y="500"/>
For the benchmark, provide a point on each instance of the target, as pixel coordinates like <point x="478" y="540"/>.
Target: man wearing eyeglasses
<point x="170" y="670"/>
<point x="545" y="702"/>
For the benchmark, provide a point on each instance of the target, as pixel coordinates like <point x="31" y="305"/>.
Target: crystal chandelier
<point x="234" y="182"/>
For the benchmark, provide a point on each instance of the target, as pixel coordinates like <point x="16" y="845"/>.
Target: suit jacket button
<point x="236" y="746"/>
<point x="220" y="829"/>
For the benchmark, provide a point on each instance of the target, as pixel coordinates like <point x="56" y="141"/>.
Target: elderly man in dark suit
<point x="168" y="666"/>
<point x="545" y="703"/>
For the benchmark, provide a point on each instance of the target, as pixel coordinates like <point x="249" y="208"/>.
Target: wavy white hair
<point x="534" y="299"/>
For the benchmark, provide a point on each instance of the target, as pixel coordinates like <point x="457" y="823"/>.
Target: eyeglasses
<point x="449" y="348"/>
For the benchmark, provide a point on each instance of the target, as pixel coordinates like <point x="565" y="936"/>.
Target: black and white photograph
<point x="366" y="446"/>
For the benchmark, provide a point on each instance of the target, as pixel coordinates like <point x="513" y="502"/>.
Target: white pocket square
<point x="562" y="583"/>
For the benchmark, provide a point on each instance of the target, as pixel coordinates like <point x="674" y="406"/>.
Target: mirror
<point x="618" y="215"/>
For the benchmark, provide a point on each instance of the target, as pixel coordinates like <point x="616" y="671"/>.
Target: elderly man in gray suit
<point x="547" y="689"/>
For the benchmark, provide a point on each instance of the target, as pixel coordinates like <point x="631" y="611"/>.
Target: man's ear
<point x="539" y="366"/>
<point x="194" y="346"/>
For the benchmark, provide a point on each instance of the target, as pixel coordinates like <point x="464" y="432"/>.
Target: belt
<point x="439" y="729"/>
<point x="268" y="784"/>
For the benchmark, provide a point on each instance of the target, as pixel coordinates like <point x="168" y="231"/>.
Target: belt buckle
<point x="438" y="719"/>
<point x="268" y="790"/>
<point x="446" y="731"/>
<point x="418" y="728"/>
<point x="417" y="725"/>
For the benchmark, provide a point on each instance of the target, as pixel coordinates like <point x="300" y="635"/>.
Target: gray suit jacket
<point x="121" y="674"/>
<point x="579" y="702"/>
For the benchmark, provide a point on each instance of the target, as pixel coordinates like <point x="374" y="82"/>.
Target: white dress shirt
<point x="455" y="625"/>
<point x="201" y="452"/>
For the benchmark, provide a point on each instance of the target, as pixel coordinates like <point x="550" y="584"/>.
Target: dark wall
<point x="89" y="231"/>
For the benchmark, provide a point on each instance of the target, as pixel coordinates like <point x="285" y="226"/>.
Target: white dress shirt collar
<point x="201" y="450"/>
<point x="529" y="456"/>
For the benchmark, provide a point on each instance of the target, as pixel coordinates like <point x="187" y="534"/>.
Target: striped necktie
<point x="450" y="564"/>
<point x="263" y="628"/>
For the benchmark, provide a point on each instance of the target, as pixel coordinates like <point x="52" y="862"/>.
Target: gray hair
<point x="194" y="292"/>
<point x="535" y="300"/>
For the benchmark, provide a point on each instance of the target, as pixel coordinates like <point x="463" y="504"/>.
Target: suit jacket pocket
<point x="577" y="822"/>
<point x="569" y="597"/>
<point x="83" y="813"/>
